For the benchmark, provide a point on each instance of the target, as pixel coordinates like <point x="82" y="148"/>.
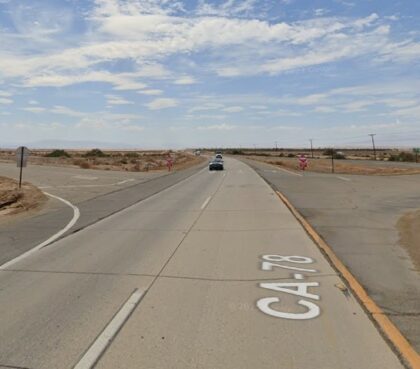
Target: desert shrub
<point x="328" y="152"/>
<point x="95" y="153"/>
<point x="123" y="161"/>
<point x="58" y="154"/>
<point x="281" y="155"/>
<point x="84" y="165"/>
<point x="236" y="152"/>
<point x="402" y="156"/>
<point x="290" y="155"/>
<point x="131" y="155"/>
<point x="339" y="156"/>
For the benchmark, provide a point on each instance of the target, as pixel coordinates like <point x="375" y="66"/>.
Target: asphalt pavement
<point x="212" y="272"/>
<point x="357" y="216"/>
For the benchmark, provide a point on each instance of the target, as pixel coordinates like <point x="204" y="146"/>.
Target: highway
<point x="357" y="215"/>
<point x="212" y="272"/>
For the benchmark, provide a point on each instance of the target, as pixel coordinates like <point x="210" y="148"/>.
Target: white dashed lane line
<point x="95" y="351"/>
<point x="205" y="202"/>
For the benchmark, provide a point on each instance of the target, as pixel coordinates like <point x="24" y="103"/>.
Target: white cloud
<point x="146" y="32"/>
<point x="5" y="94"/>
<point x="5" y="101"/>
<point x="151" y="92"/>
<point x="59" y="109"/>
<point x="233" y="109"/>
<point x="185" y="80"/>
<point x="121" y="81"/>
<point x="162" y="103"/>
<point x="227" y="8"/>
<point x="34" y="109"/>
<point x="320" y="12"/>
<point x="117" y="100"/>
<point x="206" y="106"/>
<point x="324" y="109"/>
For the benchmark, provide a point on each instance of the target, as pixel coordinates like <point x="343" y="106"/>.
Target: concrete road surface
<point x="357" y="216"/>
<point x="213" y="272"/>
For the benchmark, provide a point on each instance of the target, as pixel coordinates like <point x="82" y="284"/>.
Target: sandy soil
<point x="14" y="201"/>
<point x="130" y="161"/>
<point x="408" y="226"/>
<point x="341" y="166"/>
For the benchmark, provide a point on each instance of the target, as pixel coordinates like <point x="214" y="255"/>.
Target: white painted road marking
<point x="294" y="288"/>
<point x="343" y="178"/>
<point x="89" y="178"/>
<point x="290" y="172"/>
<point x="264" y="306"/>
<point x="76" y="215"/>
<point x="90" y="185"/>
<point x="205" y="203"/>
<point x="125" y="181"/>
<point x="95" y="351"/>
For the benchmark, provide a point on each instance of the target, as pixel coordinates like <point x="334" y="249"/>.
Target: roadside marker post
<point x="332" y="160"/>
<point x="22" y="154"/>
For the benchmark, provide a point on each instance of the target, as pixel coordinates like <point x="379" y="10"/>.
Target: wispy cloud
<point x="162" y="103"/>
<point x="117" y="100"/>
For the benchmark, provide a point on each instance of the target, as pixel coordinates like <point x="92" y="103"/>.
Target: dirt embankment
<point x="14" y="200"/>
<point x="408" y="226"/>
<point x="340" y="166"/>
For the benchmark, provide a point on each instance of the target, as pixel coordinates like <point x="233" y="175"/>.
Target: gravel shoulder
<point x="408" y="226"/>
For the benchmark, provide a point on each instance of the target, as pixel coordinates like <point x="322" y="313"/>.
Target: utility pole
<point x="312" y="149"/>
<point x="276" y="145"/>
<point x="332" y="161"/>
<point x="372" y="135"/>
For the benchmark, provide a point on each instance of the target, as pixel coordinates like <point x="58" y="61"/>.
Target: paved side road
<point x="21" y="235"/>
<point x="214" y="272"/>
<point x="357" y="216"/>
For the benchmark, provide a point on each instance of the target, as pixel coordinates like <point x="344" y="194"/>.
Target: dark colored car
<point x="216" y="164"/>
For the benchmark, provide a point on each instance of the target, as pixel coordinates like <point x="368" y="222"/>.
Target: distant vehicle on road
<point x="219" y="156"/>
<point x="216" y="164"/>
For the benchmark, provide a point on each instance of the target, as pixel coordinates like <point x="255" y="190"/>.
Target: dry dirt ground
<point x="341" y="166"/>
<point x="131" y="161"/>
<point x="408" y="227"/>
<point x="14" y="200"/>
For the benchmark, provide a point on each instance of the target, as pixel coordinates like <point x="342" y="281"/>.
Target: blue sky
<point x="160" y="73"/>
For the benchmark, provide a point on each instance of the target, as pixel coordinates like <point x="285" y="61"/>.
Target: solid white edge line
<point x="289" y="171"/>
<point x="76" y="215"/>
<point x="95" y="351"/>
<point x="343" y="178"/>
<point x="205" y="203"/>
